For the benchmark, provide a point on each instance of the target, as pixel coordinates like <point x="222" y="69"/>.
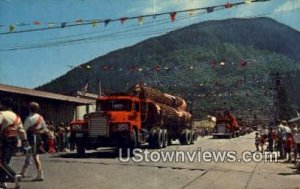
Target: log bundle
<point x="159" y="97"/>
<point x="174" y="114"/>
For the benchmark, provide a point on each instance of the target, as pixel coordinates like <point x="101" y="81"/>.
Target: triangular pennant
<point x="228" y="5"/>
<point x="210" y="9"/>
<point x="191" y="12"/>
<point x="79" y="21"/>
<point x="94" y="23"/>
<point x="106" y="22"/>
<point x="132" y="69"/>
<point x="173" y="16"/>
<point x="141" y="20"/>
<point x="213" y="64"/>
<point x="19" y="24"/>
<point x="157" y="68"/>
<point x="63" y="24"/>
<point x="51" y="25"/>
<point x="243" y="63"/>
<point x="37" y="23"/>
<point x="105" y="67"/>
<point x="11" y="28"/>
<point x="123" y="19"/>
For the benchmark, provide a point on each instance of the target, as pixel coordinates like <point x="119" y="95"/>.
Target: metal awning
<point x="296" y="119"/>
<point x="43" y="94"/>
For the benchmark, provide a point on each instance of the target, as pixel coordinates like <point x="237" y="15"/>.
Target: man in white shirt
<point x="11" y="128"/>
<point x="35" y="125"/>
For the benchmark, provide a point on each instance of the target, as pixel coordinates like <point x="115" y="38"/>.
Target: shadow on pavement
<point x="101" y="154"/>
<point x="288" y="174"/>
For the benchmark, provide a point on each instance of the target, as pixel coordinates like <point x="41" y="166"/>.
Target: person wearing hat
<point x="35" y="126"/>
<point x="11" y="128"/>
<point x="280" y="141"/>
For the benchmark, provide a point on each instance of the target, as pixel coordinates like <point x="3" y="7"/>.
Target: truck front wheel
<point x="156" y="139"/>
<point x="165" y="138"/>
<point x="185" y="137"/>
<point x="80" y="149"/>
<point x="159" y="139"/>
<point x="194" y="137"/>
<point x="133" y="139"/>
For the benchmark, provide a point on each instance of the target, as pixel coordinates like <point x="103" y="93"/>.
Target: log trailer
<point x="140" y="116"/>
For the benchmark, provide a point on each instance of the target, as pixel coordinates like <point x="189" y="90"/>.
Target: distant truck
<point x="226" y="126"/>
<point x="142" y="115"/>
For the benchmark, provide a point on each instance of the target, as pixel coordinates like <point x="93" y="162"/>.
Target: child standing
<point x="257" y="140"/>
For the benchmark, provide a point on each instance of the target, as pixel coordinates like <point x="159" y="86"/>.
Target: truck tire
<point x="133" y="143"/>
<point x="80" y="150"/>
<point x="194" y="137"/>
<point x="159" y="139"/>
<point x="185" y="137"/>
<point x="165" y="138"/>
<point x="152" y="136"/>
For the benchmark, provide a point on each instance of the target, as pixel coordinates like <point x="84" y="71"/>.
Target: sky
<point x="29" y="59"/>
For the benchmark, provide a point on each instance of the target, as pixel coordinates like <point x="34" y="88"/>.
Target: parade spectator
<point x="51" y="141"/>
<point x="35" y="126"/>
<point x="280" y="135"/>
<point x="61" y="139"/>
<point x="11" y="128"/>
<point x="289" y="144"/>
<point x="296" y="137"/>
<point x="257" y="141"/>
<point x="68" y="136"/>
<point x="263" y="138"/>
<point x="297" y="154"/>
<point x="271" y="138"/>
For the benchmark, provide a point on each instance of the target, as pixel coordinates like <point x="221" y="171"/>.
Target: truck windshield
<point x="114" y="105"/>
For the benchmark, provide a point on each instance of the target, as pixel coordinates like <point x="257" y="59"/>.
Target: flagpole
<point x="100" y="90"/>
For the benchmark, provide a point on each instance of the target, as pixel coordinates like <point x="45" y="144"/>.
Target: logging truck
<point x="141" y="116"/>
<point x="226" y="125"/>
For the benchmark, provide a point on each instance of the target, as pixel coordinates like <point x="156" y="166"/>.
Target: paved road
<point x="102" y="169"/>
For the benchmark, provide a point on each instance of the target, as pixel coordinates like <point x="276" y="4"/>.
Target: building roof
<point x="43" y="94"/>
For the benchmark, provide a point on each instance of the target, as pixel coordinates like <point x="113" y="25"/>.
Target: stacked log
<point x="174" y="114"/>
<point x="159" y="97"/>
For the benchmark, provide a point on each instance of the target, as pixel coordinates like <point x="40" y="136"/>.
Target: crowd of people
<point x="30" y="137"/>
<point x="29" y="132"/>
<point x="284" y="138"/>
<point x="61" y="141"/>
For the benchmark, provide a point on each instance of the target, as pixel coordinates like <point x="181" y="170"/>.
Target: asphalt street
<point x="104" y="169"/>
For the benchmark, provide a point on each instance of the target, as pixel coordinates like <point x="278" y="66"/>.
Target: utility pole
<point x="276" y="84"/>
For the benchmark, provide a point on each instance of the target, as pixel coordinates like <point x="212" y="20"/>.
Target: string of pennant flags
<point x="39" y="25"/>
<point x="158" y="68"/>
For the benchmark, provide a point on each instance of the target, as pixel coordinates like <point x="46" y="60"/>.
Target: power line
<point x="131" y="32"/>
<point x="122" y="19"/>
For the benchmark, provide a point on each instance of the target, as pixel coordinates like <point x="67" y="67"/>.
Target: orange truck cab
<point x="128" y="121"/>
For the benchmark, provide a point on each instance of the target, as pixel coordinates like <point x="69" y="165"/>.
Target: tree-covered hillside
<point x="214" y="65"/>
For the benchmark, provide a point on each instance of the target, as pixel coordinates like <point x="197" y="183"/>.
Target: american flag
<point x="84" y="88"/>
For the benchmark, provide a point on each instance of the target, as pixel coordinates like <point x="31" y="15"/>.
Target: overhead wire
<point x="106" y="21"/>
<point x="125" y="34"/>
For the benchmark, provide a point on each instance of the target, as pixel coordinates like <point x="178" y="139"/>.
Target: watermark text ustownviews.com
<point x="178" y="156"/>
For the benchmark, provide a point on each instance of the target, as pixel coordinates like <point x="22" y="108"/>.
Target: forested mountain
<point x="231" y="64"/>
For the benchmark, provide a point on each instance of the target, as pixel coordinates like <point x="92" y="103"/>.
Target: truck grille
<point x="98" y="127"/>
